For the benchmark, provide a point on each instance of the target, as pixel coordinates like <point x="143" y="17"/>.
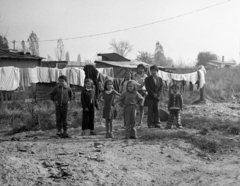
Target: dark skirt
<point x="88" y="120"/>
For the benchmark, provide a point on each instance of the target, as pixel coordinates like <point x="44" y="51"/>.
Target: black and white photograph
<point x="119" y="92"/>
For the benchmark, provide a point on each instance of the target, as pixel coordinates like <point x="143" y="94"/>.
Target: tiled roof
<point x="8" y="53"/>
<point x="112" y="57"/>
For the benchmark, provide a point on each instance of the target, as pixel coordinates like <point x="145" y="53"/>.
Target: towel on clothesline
<point x="168" y="77"/>
<point x="106" y="71"/>
<point x="76" y="76"/>
<point x="33" y="75"/>
<point x="43" y="75"/>
<point x="24" y="77"/>
<point x="9" y="78"/>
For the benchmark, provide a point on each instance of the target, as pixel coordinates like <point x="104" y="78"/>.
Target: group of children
<point x="133" y="94"/>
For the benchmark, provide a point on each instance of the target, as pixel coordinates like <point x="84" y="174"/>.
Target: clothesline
<point x="12" y="77"/>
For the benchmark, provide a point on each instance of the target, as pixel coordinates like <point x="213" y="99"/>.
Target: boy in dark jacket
<point x="153" y="85"/>
<point x="61" y="95"/>
<point x="175" y="107"/>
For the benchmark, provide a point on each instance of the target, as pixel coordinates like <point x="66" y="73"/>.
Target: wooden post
<point x="1" y="103"/>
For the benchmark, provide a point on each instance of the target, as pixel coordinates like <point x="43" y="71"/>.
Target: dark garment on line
<point x="92" y="73"/>
<point x="116" y="83"/>
<point x="61" y="116"/>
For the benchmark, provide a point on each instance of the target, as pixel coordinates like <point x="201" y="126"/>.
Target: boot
<point x="59" y="132"/>
<point x="65" y="134"/>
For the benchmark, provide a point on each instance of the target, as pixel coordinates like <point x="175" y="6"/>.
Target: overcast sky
<point x="216" y="29"/>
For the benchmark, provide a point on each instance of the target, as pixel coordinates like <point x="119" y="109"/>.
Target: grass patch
<point x="20" y="117"/>
<point x="205" y="143"/>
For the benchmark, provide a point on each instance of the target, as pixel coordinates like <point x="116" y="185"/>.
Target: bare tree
<point x="79" y="58"/>
<point x="49" y="58"/>
<point x="3" y="42"/>
<point x="33" y="44"/>
<point x="145" y="57"/>
<point x="122" y="48"/>
<point x="24" y="48"/>
<point x="67" y="58"/>
<point x="159" y="57"/>
<point x="59" y="51"/>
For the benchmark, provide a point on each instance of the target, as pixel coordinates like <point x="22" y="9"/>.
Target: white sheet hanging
<point x="9" y="78"/>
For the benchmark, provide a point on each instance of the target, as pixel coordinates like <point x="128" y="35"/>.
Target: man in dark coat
<point x="153" y="85"/>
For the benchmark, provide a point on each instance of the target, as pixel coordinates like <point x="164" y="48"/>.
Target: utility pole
<point x="14" y="44"/>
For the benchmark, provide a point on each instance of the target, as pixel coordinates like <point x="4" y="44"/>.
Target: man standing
<point x="153" y="85"/>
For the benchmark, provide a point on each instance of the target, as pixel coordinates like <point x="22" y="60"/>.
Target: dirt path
<point x="38" y="158"/>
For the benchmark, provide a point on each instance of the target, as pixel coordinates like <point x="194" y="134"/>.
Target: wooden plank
<point x="1" y="92"/>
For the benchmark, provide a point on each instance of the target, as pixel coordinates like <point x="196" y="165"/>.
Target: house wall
<point x="54" y="64"/>
<point x="20" y="63"/>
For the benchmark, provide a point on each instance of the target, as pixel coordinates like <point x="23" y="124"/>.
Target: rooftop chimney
<point x="222" y="58"/>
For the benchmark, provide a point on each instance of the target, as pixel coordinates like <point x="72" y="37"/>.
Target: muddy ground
<point x="158" y="157"/>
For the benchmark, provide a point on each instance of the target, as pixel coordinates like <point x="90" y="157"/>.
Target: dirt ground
<point x="40" y="158"/>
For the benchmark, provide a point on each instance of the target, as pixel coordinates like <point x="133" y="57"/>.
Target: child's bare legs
<point x="110" y="128"/>
<point x="141" y="112"/>
<point x="107" y="127"/>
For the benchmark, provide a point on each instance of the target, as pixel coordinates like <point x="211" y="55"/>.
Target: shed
<point x="215" y="64"/>
<point x="9" y="57"/>
<point x="113" y="57"/>
<point x="120" y="67"/>
<point x="54" y="64"/>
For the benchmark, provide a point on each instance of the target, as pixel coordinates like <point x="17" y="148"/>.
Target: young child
<point x="107" y="97"/>
<point x="61" y="95"/>
<point x="129" y="100"/>
<point x="175" y="107"/>
<point x="127" y="78"/>
<point x="140" y="77"/>
<point x="89" y="101"/>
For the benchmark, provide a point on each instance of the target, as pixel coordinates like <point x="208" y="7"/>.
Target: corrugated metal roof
<point x="130" y="64"/>
<point x="113" y="57"/>
<point x="16" y="54"/>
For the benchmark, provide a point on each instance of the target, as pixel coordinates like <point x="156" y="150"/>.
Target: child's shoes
<point x="59" y="132"/>
<point x="179" y="126"/>
<point x="92" y="133"/>
<point x="111" y="135"/>
<point x="65" y="134"/>
<point x="168" y="127"/>
<point x="134" y="137"/>
<point x="83" y="133"/>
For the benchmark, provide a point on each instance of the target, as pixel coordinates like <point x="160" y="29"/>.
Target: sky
<point x="215" y="29"/>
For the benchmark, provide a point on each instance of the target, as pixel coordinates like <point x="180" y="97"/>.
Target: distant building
<point x="215" y="64"/>
<point x="18" y="59"/>
<point x="120" y="64"/>
<point x="54" y="64"/>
